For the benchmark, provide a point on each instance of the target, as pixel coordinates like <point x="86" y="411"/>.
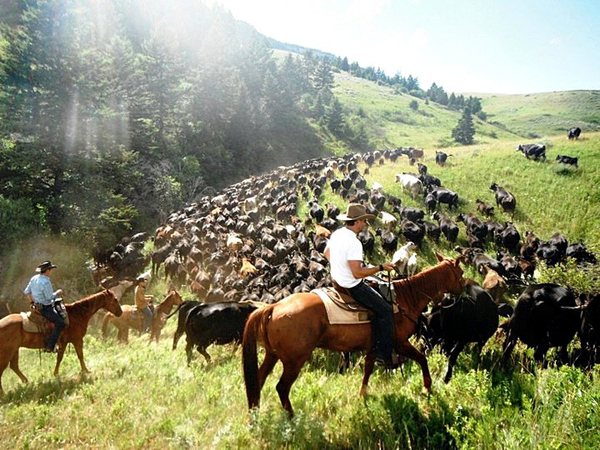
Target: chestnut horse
<point x="291" y="329"/>
<point x="12" y="335"/>
<point x="131" y="318"/>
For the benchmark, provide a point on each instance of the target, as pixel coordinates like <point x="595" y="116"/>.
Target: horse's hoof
<point x="364" y="391"/>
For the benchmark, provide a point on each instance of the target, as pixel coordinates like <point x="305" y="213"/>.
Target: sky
<point x="467" y="46"/>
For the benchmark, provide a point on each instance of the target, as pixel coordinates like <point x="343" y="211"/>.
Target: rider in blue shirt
<point x="40" y="292"/>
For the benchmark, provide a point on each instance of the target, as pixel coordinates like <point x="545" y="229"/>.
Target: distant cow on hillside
<point x="535" y="151"/>
<point x="574" y="133"/>
<point x="567" y="160"/>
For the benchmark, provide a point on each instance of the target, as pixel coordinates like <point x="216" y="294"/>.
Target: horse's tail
<point x="107" y="318"/>
<point x="174" y="312"/>
<point x="256" y="328"/>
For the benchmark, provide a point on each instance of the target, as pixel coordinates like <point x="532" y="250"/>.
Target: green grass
<point x="144" y="396"/>
<point x="546" y="113"/>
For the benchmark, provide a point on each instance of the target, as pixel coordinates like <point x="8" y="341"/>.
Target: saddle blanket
<point x="336" y="315"/>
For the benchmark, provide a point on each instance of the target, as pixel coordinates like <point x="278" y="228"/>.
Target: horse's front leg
<point x="407" y="349"/>
<point x="78" y="344"/>
<point x="369" y="365"/>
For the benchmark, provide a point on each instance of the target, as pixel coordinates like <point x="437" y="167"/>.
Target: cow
<point x="574" y="133"/>
<point x="472" y="317"/>
<point x="589" y="332"/>
<point x="216" y="323"/>
<point x="535" y="151"/>
<point x="443" y="195"/>
<point x="410" y="183"/>
<point x="440" y="158"/>
<point x="449" y="228"/>
<point x="402" y="256"/>
<point x="544" y="317"/>
<point x="567" y="160"/>
<point x="505" y="199"/>
<point x="484" y="208"/>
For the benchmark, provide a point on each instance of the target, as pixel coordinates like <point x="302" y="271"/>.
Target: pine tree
<point x="335" y="117"/>
<point x="465" y="129"/>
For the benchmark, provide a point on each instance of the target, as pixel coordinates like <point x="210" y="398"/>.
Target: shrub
<point x="581" y="279"/>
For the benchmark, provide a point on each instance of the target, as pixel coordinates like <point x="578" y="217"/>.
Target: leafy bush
<point x="414" y="105"/>
<point x="581" y="279"/>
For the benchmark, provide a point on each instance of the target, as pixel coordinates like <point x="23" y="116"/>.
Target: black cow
<point x="580" y="253"/>
<point x="535" y="151"/>
<point x="440" y="158"/>
<point x="563" y="159"/>
<point x="448" y="227"/>
<point x="574" y="133"/>
<point x="472" y="317"/>
<point x="589" y="333"/>
<point x="182" y="310"/>
<point x="505" y="199"/>
<point x="544" y="317"/>
<point x="446" y="196"/>
<point x="215" y="323"/>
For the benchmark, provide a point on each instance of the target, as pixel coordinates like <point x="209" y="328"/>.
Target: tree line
<point x="113" y="114"/>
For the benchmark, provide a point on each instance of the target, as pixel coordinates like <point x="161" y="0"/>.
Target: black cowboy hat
<point x="355" y="211"/>
<point x="46" y="265"/>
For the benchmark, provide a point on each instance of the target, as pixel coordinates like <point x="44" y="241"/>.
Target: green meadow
<point x="145" y="396"/>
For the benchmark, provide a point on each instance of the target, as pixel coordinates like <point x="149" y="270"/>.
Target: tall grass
<point x="144" y="396"/>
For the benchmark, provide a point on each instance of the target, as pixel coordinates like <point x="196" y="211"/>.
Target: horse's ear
<point x="439" y="257"/>
<point x="460" y="259"/>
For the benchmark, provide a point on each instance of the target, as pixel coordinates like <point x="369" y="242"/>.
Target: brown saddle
<point x="342" y="297"/>
<point x="34" y="322"/>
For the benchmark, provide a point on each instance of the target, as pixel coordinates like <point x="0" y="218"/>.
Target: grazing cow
<point x="410" y="183"/>
<point x="505" y="199"/>
<point x="429" y="180"/>
<point x="530" y="246"/>
<point x="430" y="202"/>
<point x="217" y="323"/>
<point x="562" y="159"/>
<point x="472" y="317"/>
<point x="402" y="256"/>
<point x="422" y="168"/>
<point x="410" y="213"/>
<point x="535" y="151"/>
<point x="574" y="133"/>
<point x="440" y="158"/>
<point x="544" y="317"/>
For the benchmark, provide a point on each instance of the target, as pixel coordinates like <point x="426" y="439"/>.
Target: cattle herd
<point x="247" y="246"/>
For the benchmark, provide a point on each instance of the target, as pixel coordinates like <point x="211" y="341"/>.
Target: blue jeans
<point x="147" y="317"/>
<point x="50" y="313"/>
<point x="383" y="325"/>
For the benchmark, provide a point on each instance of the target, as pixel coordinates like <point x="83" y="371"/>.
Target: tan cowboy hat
<point x="355" y="211"/>
<point x="45" y="266"/>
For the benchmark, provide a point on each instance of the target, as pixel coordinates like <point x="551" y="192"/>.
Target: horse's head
<point x="111" y="303"/>
<point x="177" y="300"/>
<point x="455" y="282"/>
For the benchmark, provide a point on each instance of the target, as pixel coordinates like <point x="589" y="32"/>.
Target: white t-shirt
<point x="344" y="246"/>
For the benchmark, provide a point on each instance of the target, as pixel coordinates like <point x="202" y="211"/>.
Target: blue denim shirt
<point x="41" y="288"/>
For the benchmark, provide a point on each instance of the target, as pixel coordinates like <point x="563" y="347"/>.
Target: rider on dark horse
<point x="345" y="255"/>
<point x="41" y="296"/>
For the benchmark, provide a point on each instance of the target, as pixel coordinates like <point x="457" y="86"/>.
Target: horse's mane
<point x="416" y="286"/>
<point x="86" y="303"/>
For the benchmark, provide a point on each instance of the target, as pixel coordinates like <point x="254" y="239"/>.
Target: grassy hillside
<point x="144" y="396"/>
<point x="392" y="122"/>
<point x="546" y="113"/>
